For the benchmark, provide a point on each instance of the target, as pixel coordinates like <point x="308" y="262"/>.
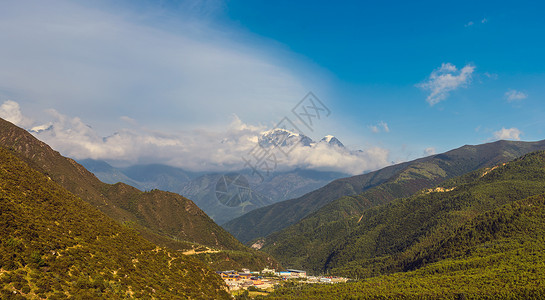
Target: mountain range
<point x="476" y="236"/>
<point x="467" y="223"/>
<point x="381" y="186"/>
<point x="205" y="188"/>
<point x="280" y="137"/>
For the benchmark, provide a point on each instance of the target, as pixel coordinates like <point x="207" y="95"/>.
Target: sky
<point x="193" y="83"/>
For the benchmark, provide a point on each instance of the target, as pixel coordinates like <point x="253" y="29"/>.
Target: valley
<point x="446" y="215"/>
<point x="220" y="149"/>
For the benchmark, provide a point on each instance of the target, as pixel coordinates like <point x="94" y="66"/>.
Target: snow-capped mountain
<point x="332" y="141"/>
<point x="285" y="138"/>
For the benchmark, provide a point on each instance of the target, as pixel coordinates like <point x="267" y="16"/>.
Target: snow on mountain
<point x="332" y="141"/>
<point x="285" y="138"/>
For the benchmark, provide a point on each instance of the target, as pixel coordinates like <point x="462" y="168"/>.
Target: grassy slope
<point x="164" y="218"/>
<point x="488" y="243"/>
<point x="55" y="245"/>
<point x="308" y="243"/>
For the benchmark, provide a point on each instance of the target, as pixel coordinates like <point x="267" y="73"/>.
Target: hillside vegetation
<point x="266" y="220"/>
<point x="483" y="239"/>
<point x="306" y="243"/>
<point x="164" y="218"/>
<point x="402" y="180"/>
<point x="54" y="245"/>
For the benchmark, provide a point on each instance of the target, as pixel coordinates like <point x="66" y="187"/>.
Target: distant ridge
<point x="201" y="188"/>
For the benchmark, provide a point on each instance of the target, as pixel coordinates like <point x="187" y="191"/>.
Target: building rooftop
<point x="296" y="271"/>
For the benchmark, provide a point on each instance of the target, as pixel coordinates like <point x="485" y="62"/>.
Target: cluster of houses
<point x="264" y="279"/>
<point x="267" y="278"/>
<point x="289" y="273"/>
<point x="242" y="280"/>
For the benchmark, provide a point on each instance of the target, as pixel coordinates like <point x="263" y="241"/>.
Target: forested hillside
<point x="396" y="236"/>
<point x="485" y="238"/>
<point x="54" y="245"/>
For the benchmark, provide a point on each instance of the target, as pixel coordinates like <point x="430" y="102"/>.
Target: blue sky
<point x="406" y="77"/>
<point x="378" y="51"/>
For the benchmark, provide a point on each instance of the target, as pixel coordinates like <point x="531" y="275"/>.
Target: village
<point x="267" y="279"/>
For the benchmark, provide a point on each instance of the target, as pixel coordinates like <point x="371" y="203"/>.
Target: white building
<point x="297" y="273"/>
<point x="268" y="271"/>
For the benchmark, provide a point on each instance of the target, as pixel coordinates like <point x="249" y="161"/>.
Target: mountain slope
<point x="498" y="255"/>
<point x="54" y="245"/>
<point x="224" y="196"/>
<point x="163" y="218"/>
<point x="394" y="237"/>
<point x="156" y="176"/>
<point x="266" y="220"/>
<point x="278" y="186"/>
<point x="402" y="180"/>
<point x="108" y="174"/>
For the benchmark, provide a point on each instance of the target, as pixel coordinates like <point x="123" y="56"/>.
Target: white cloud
<point x="98" y="63"/>
<point x="128" y="120"/>
<point x="323" y="157"/>
<point x="514" y="95"/>
<point x="430" y="151"/>
<point x="471" y="23"/>
<point x="493" y="76"/>
<point x="445" y="79"/>
<point x="197" y="150"/>
<point x="380" y="126"/>
<point x="508" y="134"/>
<point x="11" y="112"/>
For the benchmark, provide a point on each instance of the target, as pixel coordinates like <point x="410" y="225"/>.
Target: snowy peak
<point x="279" y="132"/>
<point x="282" y="138"/>
<point x="332" y="141"/>
<point x="328" y="138"/>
